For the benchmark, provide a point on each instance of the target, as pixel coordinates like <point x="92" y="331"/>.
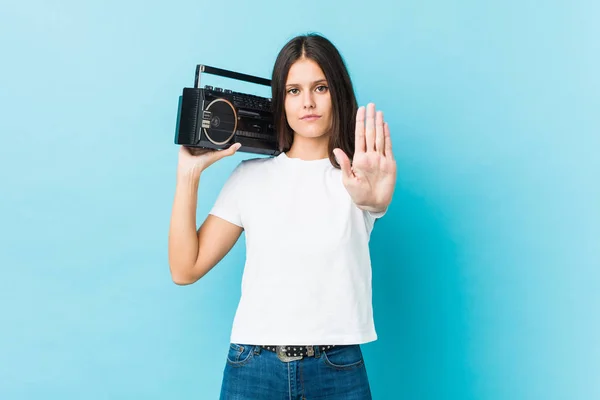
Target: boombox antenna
<point x="200" y="68"/>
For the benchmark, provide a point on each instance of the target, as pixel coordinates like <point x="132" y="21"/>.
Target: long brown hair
<point x="343" y="100"/>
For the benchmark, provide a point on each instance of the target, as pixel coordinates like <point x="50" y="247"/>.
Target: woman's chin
<point x="311" y="134"/>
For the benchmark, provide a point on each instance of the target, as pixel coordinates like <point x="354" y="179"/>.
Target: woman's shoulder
<point x="257" y="164"/>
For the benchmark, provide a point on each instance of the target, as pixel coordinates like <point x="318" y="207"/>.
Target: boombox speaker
<point x="215" y="118"/>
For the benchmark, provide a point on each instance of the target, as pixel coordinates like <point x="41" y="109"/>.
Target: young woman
<point x="308" y="213"/>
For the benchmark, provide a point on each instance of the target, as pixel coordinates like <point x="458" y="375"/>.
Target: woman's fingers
<point x="388" y="142"/>
<point x="379" y="134"/>
<point x="370" y="134"/>
<point x="359" y="131"/>
<point x="370" y="128"/>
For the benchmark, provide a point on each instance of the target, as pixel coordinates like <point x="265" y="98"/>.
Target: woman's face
<point x="307" y="100"/>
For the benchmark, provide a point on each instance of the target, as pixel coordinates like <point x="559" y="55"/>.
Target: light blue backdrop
<point x="486" y="268"/>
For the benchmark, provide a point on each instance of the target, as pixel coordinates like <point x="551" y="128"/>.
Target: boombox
<point x="215" y="118"/>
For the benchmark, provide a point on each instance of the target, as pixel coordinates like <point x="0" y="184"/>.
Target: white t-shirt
<point x="307" y="276"/>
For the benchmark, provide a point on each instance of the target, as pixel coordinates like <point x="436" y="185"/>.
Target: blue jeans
<point x="253" y="373"/>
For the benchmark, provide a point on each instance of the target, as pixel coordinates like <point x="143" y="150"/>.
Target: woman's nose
<point x="308" y="101"/>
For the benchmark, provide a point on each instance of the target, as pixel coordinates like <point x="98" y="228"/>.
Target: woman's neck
<point x="309" y="148"/>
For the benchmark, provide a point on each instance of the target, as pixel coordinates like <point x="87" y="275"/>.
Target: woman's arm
<point x="193" y="253"/>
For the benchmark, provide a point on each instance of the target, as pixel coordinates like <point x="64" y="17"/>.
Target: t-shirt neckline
<point x="298" y="161"/>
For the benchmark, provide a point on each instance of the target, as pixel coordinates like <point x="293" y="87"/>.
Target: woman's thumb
<point x="233" y="148"/>
<point x="343" y="161"/>
<point x="228" y="151"/>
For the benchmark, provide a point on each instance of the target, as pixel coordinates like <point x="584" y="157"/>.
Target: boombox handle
<point x="228" y="74"/>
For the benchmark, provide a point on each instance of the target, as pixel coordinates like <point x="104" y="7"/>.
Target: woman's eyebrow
<point x="313" y="83"/>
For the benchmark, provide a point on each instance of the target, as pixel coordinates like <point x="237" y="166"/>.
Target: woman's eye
<point x="292" y="91"/>
<point x="321" y="88"/>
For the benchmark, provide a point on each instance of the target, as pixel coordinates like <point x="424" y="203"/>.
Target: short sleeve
<point x="372" y="217"/>
<point x="376" y="215"/>
<point x="227" y="204"/>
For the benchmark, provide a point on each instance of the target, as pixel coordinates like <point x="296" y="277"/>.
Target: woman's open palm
<point x="371" y="178"/>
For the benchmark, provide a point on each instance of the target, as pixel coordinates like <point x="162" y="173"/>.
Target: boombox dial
<point x="219" y="121"/>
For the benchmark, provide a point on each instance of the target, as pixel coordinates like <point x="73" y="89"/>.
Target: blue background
<point x="486" y="269"/>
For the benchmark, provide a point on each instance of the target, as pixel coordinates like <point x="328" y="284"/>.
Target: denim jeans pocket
<point x="343" y="357"/>
<point x="239" y="354"/>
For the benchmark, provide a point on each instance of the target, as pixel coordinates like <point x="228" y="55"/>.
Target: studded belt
<point x="294" y="353"/>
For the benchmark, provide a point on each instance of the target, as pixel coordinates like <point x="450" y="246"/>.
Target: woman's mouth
<point x="311" y="117"/>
